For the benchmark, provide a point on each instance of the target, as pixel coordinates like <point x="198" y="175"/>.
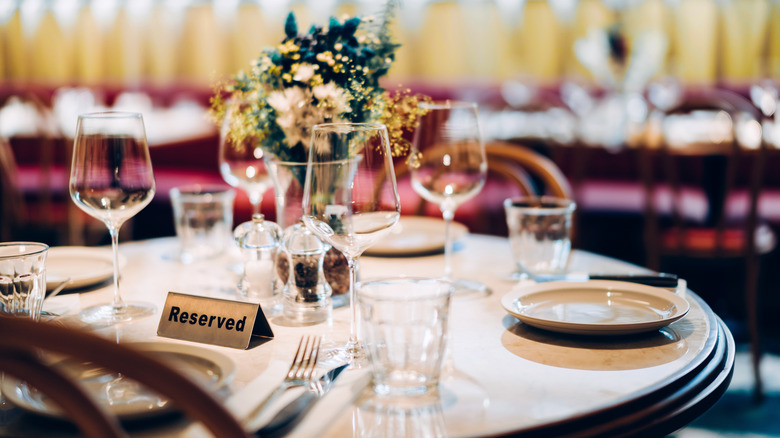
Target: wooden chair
<point x="516" y="169"/>
<point x="708" y="171"/>
<point x="23" y="341"/>
<point x="515" y="162"/>
<point x="11" y="203"/>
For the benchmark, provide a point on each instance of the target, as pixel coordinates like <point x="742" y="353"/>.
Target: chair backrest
<point x="516" y="165"/>
<point x="24" y="339"/>
<point x="707" y="149"/>
<point x="11" y="204"/>
<point x="505" y="158"/>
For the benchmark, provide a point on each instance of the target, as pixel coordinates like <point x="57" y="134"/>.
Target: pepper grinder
<point x="259" y="241"/>
<point x="307" y="295"/>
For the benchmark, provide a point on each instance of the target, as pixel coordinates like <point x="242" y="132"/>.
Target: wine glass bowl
<point x="448" y="167"/>
<point x="111" y="179"/>
<point x="350" y="198"/>
<point x="241" y="158"/>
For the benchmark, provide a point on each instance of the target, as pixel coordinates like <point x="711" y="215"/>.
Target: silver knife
<point x="291" y="414"/>
<point x="657" y="280"/>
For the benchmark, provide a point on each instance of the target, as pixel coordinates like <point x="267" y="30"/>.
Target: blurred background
<point x="581" y="82"/>
<point x="596" y="86"/>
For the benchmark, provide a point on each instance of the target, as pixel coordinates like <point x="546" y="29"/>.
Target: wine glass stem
<point x="353" y="308"/>
<point x="447" y="214"/>
<point x="117" y="304"/>
<point x="255" y="199"/>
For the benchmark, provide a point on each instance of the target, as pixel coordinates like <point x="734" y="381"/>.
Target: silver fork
<point x="300" y="373"/>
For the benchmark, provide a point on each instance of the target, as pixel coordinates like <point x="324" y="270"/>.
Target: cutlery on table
<point x="658" y="280"/>
<point x="54" y="293"/>
<point x="299" y="374"/>
<point x="291" y="414"/>
<point x="58" y="289"/>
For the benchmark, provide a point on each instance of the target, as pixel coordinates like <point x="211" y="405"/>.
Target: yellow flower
<point x="288" y="47"/>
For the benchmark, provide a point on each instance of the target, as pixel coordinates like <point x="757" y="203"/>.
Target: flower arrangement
<point x="330" y="74"/>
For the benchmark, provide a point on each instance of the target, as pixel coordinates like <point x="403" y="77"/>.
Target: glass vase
<point x="288" y="178"/>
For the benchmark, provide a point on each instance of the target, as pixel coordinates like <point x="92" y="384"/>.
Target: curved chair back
<point x="709" y="152"/>
<point x="23" y="340"/>
<point x="504" y="157"/>
<point x="11" y="204"/>
<point x="519" y="169"/>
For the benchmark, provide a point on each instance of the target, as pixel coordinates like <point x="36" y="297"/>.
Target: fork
<point x="300" y="373"/>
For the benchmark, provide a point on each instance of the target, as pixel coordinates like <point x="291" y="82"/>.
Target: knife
<point x="291" y="414"/>
<point x="658" y="280"/>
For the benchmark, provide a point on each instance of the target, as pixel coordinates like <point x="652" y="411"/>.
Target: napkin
<point x="338" y="400"/>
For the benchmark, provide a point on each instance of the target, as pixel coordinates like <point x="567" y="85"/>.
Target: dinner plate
<point x="123" y="397"/>
<point x="416" y="235"/>
<point x="597" y="307"/>
<point x="84" y="266"/>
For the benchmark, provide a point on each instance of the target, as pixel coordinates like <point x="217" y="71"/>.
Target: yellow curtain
<point x="88" y="49"/>
<point x="52" y="52"/>
<point x="160" y="42"/>
<point x="441" y="42"/>
<point x="16" y="49"/>
<point x="249" y="36"/>
<point x="694" y="44"/>
<point x="487" y="47"/>
<point x="203" y="58"/>
<point x="541" y="41"/>
<point x="124" y="49"/>
<point x="590" y="14"/>
<point x="773" y="61"/>
<point x="650" y="15"/>
<point x="743" y="40"/>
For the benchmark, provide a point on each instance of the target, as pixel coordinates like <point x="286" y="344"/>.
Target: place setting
<point x="79" y="267"/>
<point x="549" y="296"/>
<point x="416" y="236"/>
<point x="125" y="398"/>
<point x="327" y="257"/>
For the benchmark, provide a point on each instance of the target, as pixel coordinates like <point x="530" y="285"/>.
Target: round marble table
<point x="504" y="377"/>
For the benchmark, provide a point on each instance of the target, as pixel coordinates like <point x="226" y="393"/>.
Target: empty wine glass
<point x="350" y="200"/>
<point x="111" y="179"/>
<point x="448" y="167"/>
<point x="241" y="157"/>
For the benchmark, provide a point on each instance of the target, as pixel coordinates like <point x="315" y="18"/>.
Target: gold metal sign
<point x="212" y="320"/>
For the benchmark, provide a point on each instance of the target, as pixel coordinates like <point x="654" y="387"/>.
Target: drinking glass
<point x="111" y="180"/>
<point x="540" y="234"/>
<point x="350" y="200"/>
<point x="448" y="167"/>
<point x="241" y="161"/>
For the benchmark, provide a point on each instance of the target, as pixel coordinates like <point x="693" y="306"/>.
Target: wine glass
<point x="111" y="179"/>
<point x="241" y="161"/>
<point x="350" y="200"/>
<point x="448" y="167"/>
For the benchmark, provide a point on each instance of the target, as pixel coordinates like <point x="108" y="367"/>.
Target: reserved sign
<point x="212" y="320"/>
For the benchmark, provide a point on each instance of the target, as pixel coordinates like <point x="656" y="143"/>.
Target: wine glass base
<point x="469" y="289"/>
<point x="105" y="314"/>
<point x="333" y="355"/>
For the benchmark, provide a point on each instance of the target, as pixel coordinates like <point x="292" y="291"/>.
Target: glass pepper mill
<point x="259" y="241"/>
<point x="307" y="295"/>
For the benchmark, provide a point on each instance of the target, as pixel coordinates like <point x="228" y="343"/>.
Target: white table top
<point x="504" y="377"/>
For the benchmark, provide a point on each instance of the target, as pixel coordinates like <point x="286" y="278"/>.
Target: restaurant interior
<point x="660" y="116"/>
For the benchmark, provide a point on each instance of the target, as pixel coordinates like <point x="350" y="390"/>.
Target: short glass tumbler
<point x="540" y="233"/>
<point x="405" y="326"/>
<point x="203" y="216"/>
<point x="22" y="278"/>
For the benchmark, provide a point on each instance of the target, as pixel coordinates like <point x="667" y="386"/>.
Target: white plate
<point x="132" y="401"/>
<point x="84" y="266"/>
<point x="416" y="235"/>
<point x="597" y="307"/>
